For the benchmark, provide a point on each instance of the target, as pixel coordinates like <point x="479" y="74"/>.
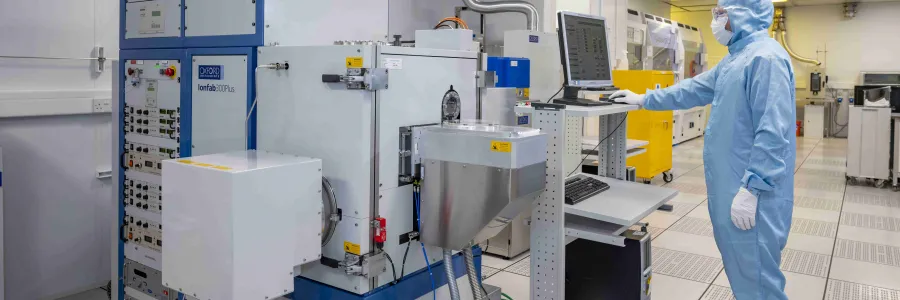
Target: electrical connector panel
<point x="238" y="223"/>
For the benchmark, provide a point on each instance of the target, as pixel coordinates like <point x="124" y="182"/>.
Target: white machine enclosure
<point x="813" y="121"/>
<point x="868" y="145"/>
<point x="2" y="276"/>
<point x="542" y="49"/>
<point x="356" y="134"/>
<point x="450" y="39"/>
<point x="238" y="223"/>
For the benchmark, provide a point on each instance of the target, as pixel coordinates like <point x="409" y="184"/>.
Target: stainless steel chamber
<point x="476" y="178"/>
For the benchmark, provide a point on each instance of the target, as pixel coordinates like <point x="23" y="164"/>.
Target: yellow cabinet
<point x="652" y="126"/>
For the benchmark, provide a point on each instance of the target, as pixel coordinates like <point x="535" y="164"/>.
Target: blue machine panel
<point x="411" y="286"/>
<point x="165" y="24"/>
<point x="511" y="72"/>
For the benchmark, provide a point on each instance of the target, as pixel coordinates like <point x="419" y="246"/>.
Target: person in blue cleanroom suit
<point x="750" y="147"/>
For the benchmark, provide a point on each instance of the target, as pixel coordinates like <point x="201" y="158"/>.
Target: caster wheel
<point x="668" y="177"/>
<point x="879" y="183"/>
<point x="646" y="181"/>
<point x="895" y="188"/>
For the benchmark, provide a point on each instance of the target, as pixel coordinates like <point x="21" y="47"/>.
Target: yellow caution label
<point x="526" y="93"/>
<point x="223" y="168"/>
<point x="354" y="61"/>
<point x="351" y="247"/>
<point x="499" y="146"/>
<point x="186" y="161"/>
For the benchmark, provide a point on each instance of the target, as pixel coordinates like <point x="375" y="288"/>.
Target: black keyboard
<point x="581" y="187"/>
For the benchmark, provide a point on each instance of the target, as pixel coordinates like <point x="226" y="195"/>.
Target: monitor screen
<point x="585" y="50"/>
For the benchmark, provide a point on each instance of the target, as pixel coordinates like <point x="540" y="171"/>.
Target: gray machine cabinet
<point x="869" y="137"/>
<point x="356" y="134"/>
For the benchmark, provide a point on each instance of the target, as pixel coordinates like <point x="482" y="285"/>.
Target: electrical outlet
<point x="102" y="105"/>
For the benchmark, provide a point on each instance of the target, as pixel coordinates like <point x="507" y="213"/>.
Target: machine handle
<point x="122" y="232"/>
<point x="122" y="160"/>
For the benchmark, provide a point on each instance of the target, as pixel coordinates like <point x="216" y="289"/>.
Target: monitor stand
<point x="570" y="97"/>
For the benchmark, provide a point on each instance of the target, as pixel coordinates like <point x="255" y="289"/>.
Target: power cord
<point x="418" y="202"/>
<point x="598" y="145"/>
<point x="393" y="269"/>
<point x="403" y="264"/>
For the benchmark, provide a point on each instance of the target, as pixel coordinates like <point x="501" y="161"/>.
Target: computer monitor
<point x="584" y="50"/>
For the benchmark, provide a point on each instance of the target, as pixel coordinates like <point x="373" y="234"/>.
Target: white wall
<point x="56" y="213"/>
<point x="868" y="42"/>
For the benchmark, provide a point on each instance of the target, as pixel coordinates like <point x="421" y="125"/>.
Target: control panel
<point x="143" y="195"/>
<point x="151" y="125"/>
<point x="144" y="279"/>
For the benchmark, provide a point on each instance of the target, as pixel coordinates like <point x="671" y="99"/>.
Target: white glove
<point x="743" y="209"/>
<point x="627" y="97"/>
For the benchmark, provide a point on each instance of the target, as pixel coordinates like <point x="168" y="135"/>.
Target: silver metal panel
<point x="547" y="231"/>
<point x="464" y="201"/>
<point x="298" y="114"/>
<point x="625" y="202"/>
<point x="572" y="155"/>
<point x="497" y="106"/>
<point x="472" y="147"/>
<point x="144" y="279"/>
<point x="220" y="17"/>
<point x="414" y="97"/>
<point x="616" y="146"/>
<point x="307" y="23"/>
<point x="868" y="150"/>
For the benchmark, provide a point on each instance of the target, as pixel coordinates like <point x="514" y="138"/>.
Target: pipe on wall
<point x="531" y="12"/>
<point x="780" y="27"/>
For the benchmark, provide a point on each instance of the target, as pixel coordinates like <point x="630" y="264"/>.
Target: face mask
<point x="723" y="36"/>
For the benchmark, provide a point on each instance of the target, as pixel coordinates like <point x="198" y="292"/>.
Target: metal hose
<point x="779" y="26"/>
<point x="451" y="277"/>
<point x="473" y="274"/>
<point x="794" y="55"/>
<point x="531" y="12"/>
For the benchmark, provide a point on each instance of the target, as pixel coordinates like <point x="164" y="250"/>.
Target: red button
<point x="170" y="72"/>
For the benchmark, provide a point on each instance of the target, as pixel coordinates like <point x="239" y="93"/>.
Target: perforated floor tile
<point x="685" y="265"/>
<point x="805" y="262"/>
<point x="872" y="199"/>
<point x="870" y="221"/>
<point x="869" y="252"/>
<point x="487" y="272"/>
<point x="822" y="173"/>
<point x="821" y="186"/>
<point x="693" y="226"/>
<point x="839" y="162"/>
<point x="679" y="208"/>
<point x="817" y="203"/>
<point x="813" y="227"/>
<point x="843" y="290"/>
<point x="521" y="267"/>
<point x="690" y="188"/>
<point x="716" y="292"/>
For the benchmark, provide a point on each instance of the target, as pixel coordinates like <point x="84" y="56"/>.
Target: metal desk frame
<point x="551" y="224"/>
